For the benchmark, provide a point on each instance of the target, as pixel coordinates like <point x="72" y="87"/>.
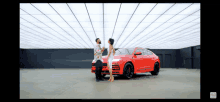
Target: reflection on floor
<point x="81" y="84"/>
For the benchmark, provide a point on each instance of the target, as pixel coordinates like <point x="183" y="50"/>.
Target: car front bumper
<point x="106" y="71"/>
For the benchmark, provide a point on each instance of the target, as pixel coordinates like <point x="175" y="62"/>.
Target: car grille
<point x="104" y="64"/>
<point x="114" y="67"/>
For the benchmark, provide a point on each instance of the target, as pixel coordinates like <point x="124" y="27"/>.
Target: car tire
<point x="156" y="69"/>
<point x="128" y="71"/>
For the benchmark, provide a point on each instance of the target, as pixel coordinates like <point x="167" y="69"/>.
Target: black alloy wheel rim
<point x="129" y="71"/>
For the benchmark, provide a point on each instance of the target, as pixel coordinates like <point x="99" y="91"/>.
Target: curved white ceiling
<point x="77" y="25"/>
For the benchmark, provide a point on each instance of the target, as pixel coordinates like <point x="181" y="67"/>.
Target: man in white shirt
<point x="98" y="59"/>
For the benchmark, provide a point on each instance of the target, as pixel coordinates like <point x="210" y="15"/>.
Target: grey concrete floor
<point x="81" y="84"/>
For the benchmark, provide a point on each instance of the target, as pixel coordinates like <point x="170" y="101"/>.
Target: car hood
<point x="115" y="57"/>
<point x="104" y="58"/>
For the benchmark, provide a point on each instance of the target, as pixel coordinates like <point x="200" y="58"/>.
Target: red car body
<point x="141" y="63"/>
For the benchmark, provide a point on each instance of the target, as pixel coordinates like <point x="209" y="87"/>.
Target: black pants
<point x="98" y="65"/>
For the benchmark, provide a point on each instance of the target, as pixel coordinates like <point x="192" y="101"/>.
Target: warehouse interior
<point x="57" y="48"/>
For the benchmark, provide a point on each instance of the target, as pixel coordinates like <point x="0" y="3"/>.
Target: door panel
<point x="143" y="61"/>
<point x="136" y="61"/>
<point x="146" y="59"/>
<point x="167" y="61"/>
<point x="148" y="63"/>
<point x="139" y="60"/>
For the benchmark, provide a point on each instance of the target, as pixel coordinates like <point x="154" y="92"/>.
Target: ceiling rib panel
<point x="77" y="25"/>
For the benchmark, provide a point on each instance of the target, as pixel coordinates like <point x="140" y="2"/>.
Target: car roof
<point x="139" y="47"/>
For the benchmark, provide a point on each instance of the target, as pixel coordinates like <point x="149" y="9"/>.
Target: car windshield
<point x="126" y="51"/>
<point x="121" y="52"/>
<point x="130" y="50"/>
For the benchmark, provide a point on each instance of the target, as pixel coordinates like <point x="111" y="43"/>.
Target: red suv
<point x="129" y="61"/>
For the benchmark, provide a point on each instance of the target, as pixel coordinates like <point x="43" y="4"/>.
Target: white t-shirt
<point x="98" y="51"/>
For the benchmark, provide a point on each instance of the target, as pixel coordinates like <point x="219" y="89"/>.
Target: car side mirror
<point x="138" y="53"/>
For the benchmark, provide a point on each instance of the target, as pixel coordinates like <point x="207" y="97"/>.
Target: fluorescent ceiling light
<point x="79" y="24"/>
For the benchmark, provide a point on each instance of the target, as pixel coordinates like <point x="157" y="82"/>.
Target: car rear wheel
<point x="156" y="69"/>
<point x="128" y="70"/>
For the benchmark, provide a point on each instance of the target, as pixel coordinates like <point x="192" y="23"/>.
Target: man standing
<point x="98" y="59"/>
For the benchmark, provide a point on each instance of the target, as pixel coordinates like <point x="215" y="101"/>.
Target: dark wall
<point x="164" y="52"/>
<point x="185" y="57"/>
<point x="196" y="55"/>
<point x="188" y="57"/>
<point x="180" y="58"/>
<point x="82" y="58"/>
<point x="56" y="58"/>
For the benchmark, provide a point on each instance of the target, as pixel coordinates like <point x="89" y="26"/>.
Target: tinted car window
<point x="145" y="52"/>
<point x="121" y="52"/>
<point x="149" y="52"/>
<point x="130" y="50"/>
<point x="142" y="51"/>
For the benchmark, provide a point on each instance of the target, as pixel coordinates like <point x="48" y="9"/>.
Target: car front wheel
<point x="128" y="70"/>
